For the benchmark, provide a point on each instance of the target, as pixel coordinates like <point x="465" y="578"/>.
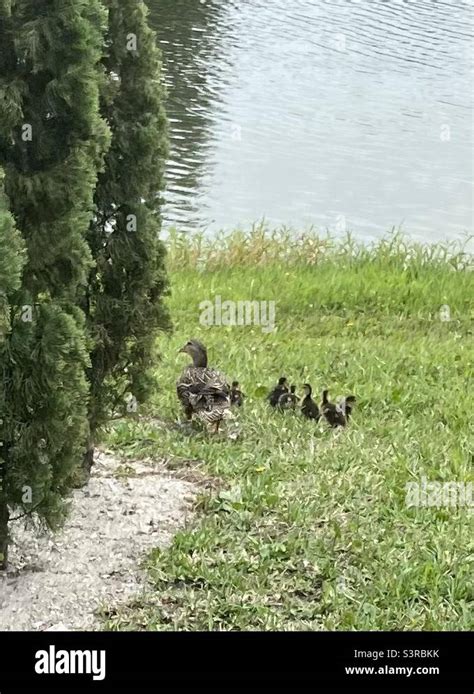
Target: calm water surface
<point x="341" y="114"/>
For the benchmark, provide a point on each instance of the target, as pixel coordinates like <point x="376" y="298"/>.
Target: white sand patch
<point x="57" y="582"/>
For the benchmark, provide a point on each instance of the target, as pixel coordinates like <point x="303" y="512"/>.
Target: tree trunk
<point x="4" y="510"/>
<point x="4" y="537"/>
<point x="88" y="462"/>
<point x="81" y="479"/>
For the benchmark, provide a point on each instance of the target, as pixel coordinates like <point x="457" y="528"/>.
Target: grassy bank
<point x="306" y="527"/>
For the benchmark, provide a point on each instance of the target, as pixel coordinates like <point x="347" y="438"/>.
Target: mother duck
<point x="202" y="390"/>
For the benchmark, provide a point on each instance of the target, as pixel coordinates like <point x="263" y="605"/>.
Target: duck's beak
<point x="183" y="349"/>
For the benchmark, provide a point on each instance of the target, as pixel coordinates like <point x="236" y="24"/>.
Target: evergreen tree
<point x="52" y="137"/>
<point x="124" y="303"/>
<point x="12" y="260"/>
<point x="52" y="142"/>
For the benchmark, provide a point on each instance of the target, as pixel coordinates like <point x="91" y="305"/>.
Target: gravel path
<point x="58" y="581"/>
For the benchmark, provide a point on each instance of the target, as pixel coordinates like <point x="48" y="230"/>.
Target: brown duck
<point x="309" y="409"/>
<point x="347" y="404"/>
<point x="236" y="395"/>
<point x="275" y="394"/>
<point x="332" y="413"/>
<point x="202" y="390"/>
<point x="288" y="401"/>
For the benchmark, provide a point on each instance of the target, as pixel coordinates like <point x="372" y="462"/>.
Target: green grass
<point x="309" y="528"/>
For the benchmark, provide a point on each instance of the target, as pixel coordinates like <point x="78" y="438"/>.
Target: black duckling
<point x="331" y="412"/>
<point x="203" y="391"/>
<point x="309" y="409"/>
<point x="288" y="401"/>
<point x="347" y="404"/>
<point x="236" y="395"/>
<point x="278" y="390"/>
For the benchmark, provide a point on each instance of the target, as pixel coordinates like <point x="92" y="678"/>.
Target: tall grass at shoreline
<point x="305" y="527"/>
<point x="261" y="246"/>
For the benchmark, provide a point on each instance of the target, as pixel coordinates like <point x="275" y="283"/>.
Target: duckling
<point x="288" y="401"/>
<point x="277" y="391"/>
<point x="236" y="395"/>
<point x="309" y="409"/>
<point x="331" y="412"/>
<point x="347" y="404"/>
<point x="202" y="390"/>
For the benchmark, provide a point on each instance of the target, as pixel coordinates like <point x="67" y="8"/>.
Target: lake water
<point x="341" y="114"/>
